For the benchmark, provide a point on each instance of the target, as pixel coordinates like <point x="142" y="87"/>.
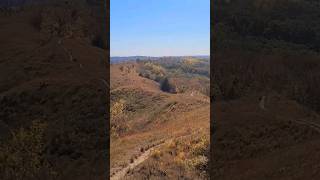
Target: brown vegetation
<point x="151" y="116"/>
<point x="50" y="71"/>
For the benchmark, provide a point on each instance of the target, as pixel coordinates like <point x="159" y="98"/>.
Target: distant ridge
<point x="119" y="59"/>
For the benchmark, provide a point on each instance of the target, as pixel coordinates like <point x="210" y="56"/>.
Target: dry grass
<point x="117" y="108"/>
<point x="191" y="153"/>
<point x="170" y="116"/>
<point x="239" y="74"/>
<point x="156" y="154"/>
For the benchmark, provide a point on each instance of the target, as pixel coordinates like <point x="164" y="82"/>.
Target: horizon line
<point x="160" y="56"/>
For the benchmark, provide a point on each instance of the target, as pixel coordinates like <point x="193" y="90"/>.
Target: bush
<point x="198" y="162"/>
<point x="117" y="108"/>
<point x="22" y="156"/>
<point x="166" y="86"/>
<point x="156" y="154"/>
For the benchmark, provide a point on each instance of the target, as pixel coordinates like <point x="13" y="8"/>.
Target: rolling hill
<point x="151" y="129"/>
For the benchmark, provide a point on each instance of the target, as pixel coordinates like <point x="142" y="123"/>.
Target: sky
<point x="159" y="27"/>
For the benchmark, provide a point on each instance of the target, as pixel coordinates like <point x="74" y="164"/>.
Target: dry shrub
<point x="64" y="22"/>
<point x="180" y="159"/>
<point x="155" y="69"/>
<point x="198" y="163"/>
<point x="152" y="71"/>
<point x="22" y="156"/>
<point x="156" y="154"/>
<point x="171" y="144"/>
<point x="201" y="146"/>
<point x="117" y="108"/>
<point x="192" y="153"/>
<point x="118" y="119"/>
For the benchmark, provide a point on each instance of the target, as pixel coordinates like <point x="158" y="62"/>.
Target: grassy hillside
<point x="267" y="25"/>
<point x="155" y="122"/>
<point x="264" y="87"/>
<point x="183" y="75"/>
<point x="266" y="45"/>
<point x="52" y="93"/>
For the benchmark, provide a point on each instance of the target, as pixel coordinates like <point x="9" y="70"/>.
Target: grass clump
<point x="191" y="153"/>
<point x="156" y="154"/>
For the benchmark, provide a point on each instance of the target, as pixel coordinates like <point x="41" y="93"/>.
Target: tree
<point x="166" y="86"/>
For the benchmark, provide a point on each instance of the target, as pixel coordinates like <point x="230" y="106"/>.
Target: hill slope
<point x="274" y="142"/>
<point x="151" y="127"/>
<point x="52" y="95"/>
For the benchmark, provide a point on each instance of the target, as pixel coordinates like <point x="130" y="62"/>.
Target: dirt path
<point x="144" y="156"/>
<point x="312" y="125"/>
<point x="121" y="173"/>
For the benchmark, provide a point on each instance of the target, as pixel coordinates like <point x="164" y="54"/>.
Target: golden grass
<point x="117" y="108"/>
<point x="156" y="154"/>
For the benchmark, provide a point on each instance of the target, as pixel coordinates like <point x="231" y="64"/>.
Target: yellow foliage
<point x="197" y="162"/>
<point x="156" y="154"/>
<point x="21" y="156"/>
<point x="191" y="61"/>
<point x="159" y="70"/>
<point x="180" y="159"/>
<point x="117" y="108"/>
<point x="171" y="144"/>
<point x="201" y="147"/>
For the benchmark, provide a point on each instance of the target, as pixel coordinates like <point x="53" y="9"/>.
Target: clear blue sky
<point x="159" y="27"/>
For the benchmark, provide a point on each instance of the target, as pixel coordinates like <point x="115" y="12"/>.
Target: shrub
<point x="22" y="156"/>
<point x="155" y="69"/>
<point x="198" y="162"/>
<point x="180" y="159"/>
<point x="117" y="108"/>
<point x="156" y="154"/>
<point x="166" y="86"/>
<point x="201" y="147"/>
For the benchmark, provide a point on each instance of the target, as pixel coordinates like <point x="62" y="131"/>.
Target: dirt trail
<point x="144" y="156"/>
<point x="312" y="125"/>
<point x="121" y="173"/>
